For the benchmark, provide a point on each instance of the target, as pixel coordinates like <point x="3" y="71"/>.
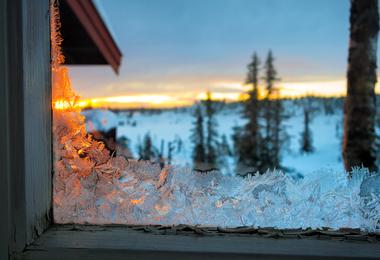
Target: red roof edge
<point x="93" y="23"/>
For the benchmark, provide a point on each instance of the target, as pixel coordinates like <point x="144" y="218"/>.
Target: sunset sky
<point x="175" y="50"/>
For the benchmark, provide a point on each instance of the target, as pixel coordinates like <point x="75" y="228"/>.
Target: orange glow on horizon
<point x="234" y="92"/>
<point x="228" y="96"/>
<point x="138" y="101"/>
<point x="69" y="105"/>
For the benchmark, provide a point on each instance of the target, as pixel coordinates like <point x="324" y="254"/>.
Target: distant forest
<point x="258" y="145"/>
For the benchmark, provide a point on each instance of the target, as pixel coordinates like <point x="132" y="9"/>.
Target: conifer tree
<point x="197" y="137"/>
<point x="212" y="134"/>
<point x="161" y="159"/>
<point x="274" y="132"/>
<point x="170" y="152"/>
<point x="248" y="140"/>
<point x="147" y="149"/>
<point x="179" y="143"/>
<point x="306" y="135"/>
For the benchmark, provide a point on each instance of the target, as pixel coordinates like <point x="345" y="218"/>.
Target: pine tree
<point x="170" y="152"/>
<point x="197" y="137"/>
<point x="179" y="143"/>
<point x="212" y="134"/>
<point x="161" y="158"/>
<point x="306" y="135"/>
<point x="147" y="149"/>
<point x="359" y="147"/>
<point x="247" y="139"/>
<point x="274" y="132"/>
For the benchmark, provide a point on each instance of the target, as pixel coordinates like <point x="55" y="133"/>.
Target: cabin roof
<point x="86" y="38"/>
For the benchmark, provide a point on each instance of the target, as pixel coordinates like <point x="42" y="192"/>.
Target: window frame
<point x="25" y="111"/>
<point x="117" y="242"/>
<point x="27" y="231"/>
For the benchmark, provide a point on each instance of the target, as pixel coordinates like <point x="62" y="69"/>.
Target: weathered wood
<point x="122" y="243"/>
<point x="25" y="114"/>
<point x="4" y="165"/>
<point x="15" y="127"/>
<point x="37" y="115"/>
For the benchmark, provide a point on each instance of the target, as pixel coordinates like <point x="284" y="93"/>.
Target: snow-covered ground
<point x="175" y="126"/>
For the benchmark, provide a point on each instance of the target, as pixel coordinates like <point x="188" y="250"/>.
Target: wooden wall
<point x="4" y="166"/>
<point x="25" y="122"/>
<point x="37" y="111"/>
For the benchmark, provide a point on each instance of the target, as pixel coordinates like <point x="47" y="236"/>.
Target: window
<point x="156" y="147"/>
<point x="25" y="185"/>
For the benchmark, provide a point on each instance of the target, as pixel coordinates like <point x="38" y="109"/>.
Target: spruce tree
<point x="212" y="134"/>
<point x="161" y="159"/>
<point x="247" y="139"/>
<point x="197" y="137"/>
<point x="170" y="152"/>
<point x="274" y="132"/>
<point x="147" y="149"/>
<point x="306" y="135"/>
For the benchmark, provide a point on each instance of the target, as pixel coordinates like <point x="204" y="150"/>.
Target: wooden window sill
<point x="114" y="242"/>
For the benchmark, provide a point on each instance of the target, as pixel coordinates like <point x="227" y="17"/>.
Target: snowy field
<point x="175" y="126"/>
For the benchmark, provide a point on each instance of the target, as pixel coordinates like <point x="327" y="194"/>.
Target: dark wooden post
<point x="25" y="116"/>
<point x="4" y="165"/>
<point x="359" y="146"/>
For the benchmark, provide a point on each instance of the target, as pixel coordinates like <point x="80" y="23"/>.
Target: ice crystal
<point x="145" y="194"/>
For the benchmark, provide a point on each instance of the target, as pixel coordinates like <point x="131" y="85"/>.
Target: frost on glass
<point x="91" y="185"/>
<point x="145" y="194"/>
